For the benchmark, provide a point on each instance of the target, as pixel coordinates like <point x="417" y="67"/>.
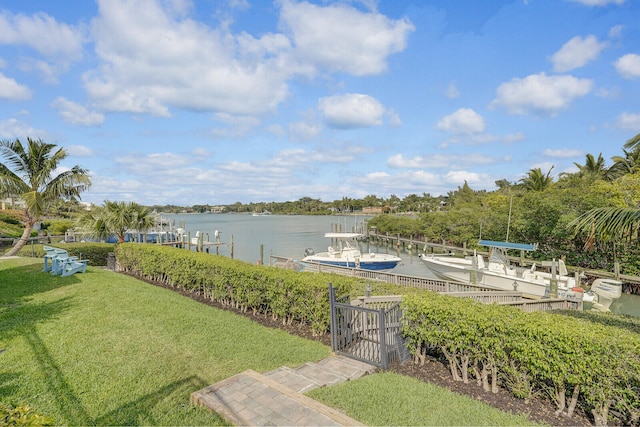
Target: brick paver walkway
<point x="275" y="398"/>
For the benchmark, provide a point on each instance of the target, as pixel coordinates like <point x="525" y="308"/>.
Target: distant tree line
<point x="412" y="203"/>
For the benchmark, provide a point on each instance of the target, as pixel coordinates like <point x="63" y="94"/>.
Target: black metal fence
<point x="372" y="335"/>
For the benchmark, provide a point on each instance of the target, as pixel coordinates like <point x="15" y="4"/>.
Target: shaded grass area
<point x="391" y="399"/>
<point x="103" y="348"/>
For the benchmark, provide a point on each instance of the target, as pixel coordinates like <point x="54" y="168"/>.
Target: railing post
<point x="384" y="354"/>
<point x="332" y="324"/>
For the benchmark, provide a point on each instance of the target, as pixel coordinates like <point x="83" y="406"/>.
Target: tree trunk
<point x="22" y="240"/>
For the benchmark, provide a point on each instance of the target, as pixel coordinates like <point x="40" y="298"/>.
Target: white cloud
<point x="12" y="90"/>
<point x="42" y="33"/>
<point x="540" y="94"/>
<point x="597" y="2"/>
<point x="352" y="110"/>
<point x="563" y="153"/>
<point x="576" y="53"/>
<point x="452" y="91"/>
<point x="76" y="114"/>
<point x="59" y="43"/>
<point x="339" y="37"/>
<point x="440" y="161"/>
<point x="629" y="65"/>
<point x="463" y="121"/>
<point x="154" y="60"/>
<point x="393" y="119"/>
<point x="303" y="131"/>
<point x="629" y="121"/>
<point x="13" y="128"/>
<point x="79" y="151"/>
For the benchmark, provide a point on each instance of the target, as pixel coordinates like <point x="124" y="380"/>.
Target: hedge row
<point x="580" y="360"/>
<point x="96" y="253"/>
<point x="287" y="295"/>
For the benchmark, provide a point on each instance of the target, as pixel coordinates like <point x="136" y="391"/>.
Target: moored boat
<point x="498" y="273"/>
<point x="346" y="255"/>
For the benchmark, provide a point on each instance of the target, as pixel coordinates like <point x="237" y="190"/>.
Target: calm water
<point x="290" y="235"/>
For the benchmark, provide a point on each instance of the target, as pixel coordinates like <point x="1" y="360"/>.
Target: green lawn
<point x="103" y="348"/>
<point x="106" y="349"/>
<point x="390" y="399"/>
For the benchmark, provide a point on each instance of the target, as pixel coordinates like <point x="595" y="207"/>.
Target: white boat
<point x="498" y="273"/>
<point x="346" y="255"/>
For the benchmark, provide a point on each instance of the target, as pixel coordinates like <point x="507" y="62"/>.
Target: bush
<point x="96" y="253"/>
<point x="585" y="360"/>
<point x="57" y="227"/>
<point x="287" y="295"/>
<point x="22" y="415"/>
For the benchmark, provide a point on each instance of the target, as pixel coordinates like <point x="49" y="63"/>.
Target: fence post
<point x="332" y="325"/>
<point x="384" y="354"/>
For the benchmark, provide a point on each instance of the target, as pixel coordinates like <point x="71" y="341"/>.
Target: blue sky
<point x="213" y="102"/>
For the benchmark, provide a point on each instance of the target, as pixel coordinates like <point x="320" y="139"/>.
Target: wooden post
<point x="261" y="253"/>
<point x="553" y="289"/>
<point x="231" y="248"/>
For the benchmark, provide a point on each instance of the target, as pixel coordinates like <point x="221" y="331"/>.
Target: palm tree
<point x="536" y="180"/>
<point x="594" y="168"/>
<point x="610" y="222"/>
<point x="29" y="172"/>
<point x="630" y="163"/>
<point x="115" y="218"/>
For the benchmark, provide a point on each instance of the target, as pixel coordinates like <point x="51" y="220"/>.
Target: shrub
<point x="287" y="295"/>
<point x="22" y="415"/>
<point x="96" y="253"/>
<point x="584" y="360"/>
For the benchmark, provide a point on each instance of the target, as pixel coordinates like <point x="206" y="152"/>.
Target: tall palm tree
<point x="536" y="180"/>
<point x="115" y="218"/>
<point x="31" y="173"/>
<point x="609" y="222"/>
<point x="630" y="163"/>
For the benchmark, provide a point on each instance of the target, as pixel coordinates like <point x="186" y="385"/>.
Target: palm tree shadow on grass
<point x="136" y="412"/>
<point x="139" y="411"/>
<point x="20" y="282"/>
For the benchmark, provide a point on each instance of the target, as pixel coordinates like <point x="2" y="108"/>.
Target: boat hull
<point x="531" y="284"/>
<point x="365" y="264"/>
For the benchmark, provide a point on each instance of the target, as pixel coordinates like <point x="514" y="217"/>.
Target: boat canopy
<point x="343" y="235"/>
<point x="509" y="245"/>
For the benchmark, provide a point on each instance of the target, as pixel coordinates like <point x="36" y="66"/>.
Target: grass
<point x="105" y="349"/>
<point x="391" y="399"/>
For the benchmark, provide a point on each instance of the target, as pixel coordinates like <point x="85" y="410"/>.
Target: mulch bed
<point x="432" y="371"/>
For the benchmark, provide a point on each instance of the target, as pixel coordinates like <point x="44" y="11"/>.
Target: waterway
<point x="256" y="237"/>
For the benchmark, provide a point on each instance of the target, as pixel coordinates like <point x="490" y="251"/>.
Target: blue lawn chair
<point x="74" y="266"/>
<point x="49" y="255"/>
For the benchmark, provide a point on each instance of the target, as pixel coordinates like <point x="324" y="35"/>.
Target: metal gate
<point x="372" y="335"/>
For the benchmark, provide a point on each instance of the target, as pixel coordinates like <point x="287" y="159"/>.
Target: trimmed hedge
<point x="96" y="253"/>
<point x="287" y="295"/>
<point x="581" y="360"/>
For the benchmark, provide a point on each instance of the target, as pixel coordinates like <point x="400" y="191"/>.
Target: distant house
<point x="218" y="209"/>
<point x="372" y="210"/>
<point x="11" y="203"/>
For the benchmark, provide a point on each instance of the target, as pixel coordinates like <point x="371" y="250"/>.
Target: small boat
<point x="263" y="213"/>
<point x="346" y="255"/>
<point x="499" y="273"/>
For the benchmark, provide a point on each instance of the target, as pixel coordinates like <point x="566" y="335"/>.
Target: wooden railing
<point x="463" y="290"/>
